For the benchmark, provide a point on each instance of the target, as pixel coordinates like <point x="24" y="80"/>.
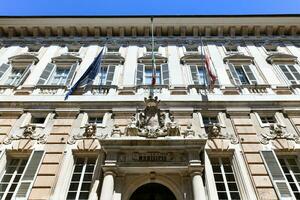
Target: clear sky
<point x="146" y="7"/>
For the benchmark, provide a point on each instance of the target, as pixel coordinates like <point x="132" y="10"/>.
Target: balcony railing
<point x="49" y="89"/>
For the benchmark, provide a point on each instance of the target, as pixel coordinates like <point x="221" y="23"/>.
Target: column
<point x="198" y="187"/>
<point x="107" y="186"/>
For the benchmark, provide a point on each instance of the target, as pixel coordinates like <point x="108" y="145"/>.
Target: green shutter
<point x="110" y="74"/>
<point x="165" y="74"/>
<point x="29" y="174"/>
<point x="140" y="74"/>
<point x="276" y="174"/>
<point x="46" y="73"/>
<point x="71" y="74"/>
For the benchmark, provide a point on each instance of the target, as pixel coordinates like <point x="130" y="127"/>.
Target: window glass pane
<point x="291" y="169"/>
<point x="226" y="184"/>
<point x="81" y="178"/>
<point x="242" y="76"/>
<point x="60" y="75"/>
<point x="11" y="177"/>
<point x="202" y="75"/>
<point x="148" y="76"/>
<point x="294" y="71"/>
<point x="286" y="73"/>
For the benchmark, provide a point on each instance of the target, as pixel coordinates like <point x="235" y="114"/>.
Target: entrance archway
<point x="153" y="191"/>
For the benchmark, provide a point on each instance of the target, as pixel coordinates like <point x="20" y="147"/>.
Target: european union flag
<point x="89" y="75"/>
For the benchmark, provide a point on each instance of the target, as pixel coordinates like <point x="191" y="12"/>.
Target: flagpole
<point x="100" y="68"/>
<point x="153" y="60"/>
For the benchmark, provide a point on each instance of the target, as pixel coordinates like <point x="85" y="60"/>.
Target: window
<point x="106" y="75"/>
<point x="291" y="170"/>
<point x="270" y="48"/>
<point x="268" y="119"/>
<point x="209" y="120"/>
<point x="144" y="74"/>
<point x="74" y="49"/>
<point x="82" y="178"/>
<point x="148" y="76"/>
<point x="191" y="48"/>
<point x="14" y="77"/>
<point x="241" y="74"/>
<point x="37" y="120"/>
<point x="57" y="75"/>
<point x="19" y="176"/>
<point x="113" y="49"/>
<point x="225" y="178"/>
<point x="11" y="178"/>
<point x="283" y="173"/>
<point x="231" y="48"/>
<point x="95" y="120"/>
<point x="198" y="74"/>
<point x="60" y="76"/>
<point x="291" y="73"/>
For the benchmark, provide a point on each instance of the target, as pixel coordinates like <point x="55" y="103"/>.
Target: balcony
<point x="49" y="90"/>
<point x="157" y="89"/>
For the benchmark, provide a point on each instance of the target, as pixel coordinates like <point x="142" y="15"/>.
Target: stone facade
<point x="236" y="139"/>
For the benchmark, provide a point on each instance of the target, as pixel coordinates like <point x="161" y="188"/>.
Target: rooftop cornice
<point x="252" y="25"/>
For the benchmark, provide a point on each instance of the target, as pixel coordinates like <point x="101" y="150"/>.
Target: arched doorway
<point x="153" y="191"/>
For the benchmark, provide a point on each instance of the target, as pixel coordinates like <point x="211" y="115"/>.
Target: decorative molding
<point x="277" y="131"/>
<point x="281" y="58"/>
<point x="29" y="133"/>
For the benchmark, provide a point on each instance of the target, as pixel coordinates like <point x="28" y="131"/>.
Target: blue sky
<point x="146" y="7"/>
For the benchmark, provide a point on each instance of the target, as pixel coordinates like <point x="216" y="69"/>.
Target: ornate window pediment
<point x="191" y="58"/>
<point x="113" y="58"/>
<point x="238" y="58"/>
<point x="23" y="59"/>
<point x="147" y="58"/>
<point x="66" y="58"/>
<point x="281" y="58"/>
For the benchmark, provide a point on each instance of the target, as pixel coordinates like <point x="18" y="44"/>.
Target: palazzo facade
<point x="112" y="140"/>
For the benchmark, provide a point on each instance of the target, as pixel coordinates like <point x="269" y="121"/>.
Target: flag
<point x="206" y="57"/>
<point x="153" y="82"/>
<point x="212" y="76"/>
<point x="89" y="75"/>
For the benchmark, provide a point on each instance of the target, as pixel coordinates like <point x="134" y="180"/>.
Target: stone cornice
<point x="140" y="26"/>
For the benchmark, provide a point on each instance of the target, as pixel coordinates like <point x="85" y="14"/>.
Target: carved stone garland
<point x="29" y="133"/>
<point x="278" y="131"/>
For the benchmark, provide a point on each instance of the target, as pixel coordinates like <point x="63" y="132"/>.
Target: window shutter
<point x="234" y="74"/>
<point x="250" y="74"/>
<point x="276" y="174"/>
<point x="46" y="73"/>
<point x="165" y="74"/>
<point x="194" y="72"/>
<point x="24" y="75"/>
<point x="3" y="69"/>
<point x="29" y="174"/>
<point x="71" y="74"/>
<point x="110" y="74"/>
<point x="140" y="74"/>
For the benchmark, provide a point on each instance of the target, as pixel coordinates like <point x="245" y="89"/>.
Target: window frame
<point x="297" y="68"/>
<point x="99" y="81"/>
<point x="94" y="174"/>
<point x="205" y="75"/>
<point x="292" y="173"/>
<point x="54" y="74"/>
<point x="235" y="169"/>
